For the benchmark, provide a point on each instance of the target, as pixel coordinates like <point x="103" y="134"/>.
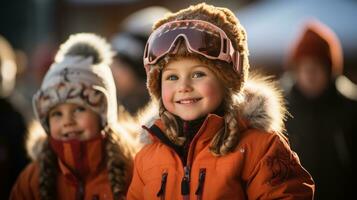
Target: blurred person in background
<point x="322" y="121"/>
<point x="13" y="125"/>
<point x="128" y="70"/>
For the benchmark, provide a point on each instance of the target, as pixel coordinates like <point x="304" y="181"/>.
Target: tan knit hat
<point x="81" y="75"/>
<point x="227" y="21"/>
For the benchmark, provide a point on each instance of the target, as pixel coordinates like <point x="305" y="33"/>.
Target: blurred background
<point x="33" y="30"/>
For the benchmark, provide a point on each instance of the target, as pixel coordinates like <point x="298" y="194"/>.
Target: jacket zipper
<point x="201" y="181"/>
<point x="185" y="183"/>
<point x="80" y="191"/>
<point x="162" y="190"/>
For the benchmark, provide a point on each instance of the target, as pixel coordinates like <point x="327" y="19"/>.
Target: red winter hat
<point x="319" y="41"/>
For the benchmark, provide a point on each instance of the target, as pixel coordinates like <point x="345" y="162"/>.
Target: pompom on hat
<point x="81" y="75"/>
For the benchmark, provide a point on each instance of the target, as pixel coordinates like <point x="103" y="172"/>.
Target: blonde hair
<point x="226" y="139"/>
<point x="118" y="162"/>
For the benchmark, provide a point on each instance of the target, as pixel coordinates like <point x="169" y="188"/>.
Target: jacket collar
<point x="80" y="159"/>
<point x="210" y="126"/>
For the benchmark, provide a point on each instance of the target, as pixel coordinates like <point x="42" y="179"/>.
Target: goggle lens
<point x="200" y="36"/>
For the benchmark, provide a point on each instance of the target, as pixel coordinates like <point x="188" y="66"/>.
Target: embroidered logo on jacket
<point x="283" y="166"/>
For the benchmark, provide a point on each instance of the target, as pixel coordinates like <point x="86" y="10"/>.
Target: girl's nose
<point x="185" y="85"/>
<point x="68" y="119"/>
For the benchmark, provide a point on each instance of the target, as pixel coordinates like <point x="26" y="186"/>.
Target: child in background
<point x="219" y="135"/>
<point x="82" y="157"/>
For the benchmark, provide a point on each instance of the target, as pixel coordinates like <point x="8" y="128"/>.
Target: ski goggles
<point x="200" y="37"/>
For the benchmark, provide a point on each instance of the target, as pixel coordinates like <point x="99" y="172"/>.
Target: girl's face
<point x="71" y="121"/>
<point x="190" y="89"/>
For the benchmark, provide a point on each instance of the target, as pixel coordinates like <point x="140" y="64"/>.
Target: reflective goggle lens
<point x="200" y="37"/>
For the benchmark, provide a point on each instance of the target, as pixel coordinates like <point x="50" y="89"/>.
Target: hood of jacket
<point x="319" y="41"/>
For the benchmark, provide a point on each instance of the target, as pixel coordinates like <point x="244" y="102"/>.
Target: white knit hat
<point x="81" y="75"/>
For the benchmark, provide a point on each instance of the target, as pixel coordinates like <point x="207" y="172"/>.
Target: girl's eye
<point x="55" y="114"/>
<point x="198" y="74"/>
<point x="171" y="77"/>
<point x="80" y="109"/>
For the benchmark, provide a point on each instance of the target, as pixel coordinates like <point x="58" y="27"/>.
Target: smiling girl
<point x="219" y="135"/>
<point x="82" y="157"/>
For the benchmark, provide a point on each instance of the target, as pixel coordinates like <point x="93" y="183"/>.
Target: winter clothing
<point x="74" y="78"/>
<point x="261" y="166"/>
<point x="321" y="127"/>
<point x="238" y="151"/>
<point x="321" y="133"/>
<point x="96" y="168"/>
<point x="69" y="186"/>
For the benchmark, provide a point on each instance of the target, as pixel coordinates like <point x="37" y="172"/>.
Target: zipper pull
<point x="185" y="183"/>
<point x="163" y="186"/>
<point x="201" y="181"/>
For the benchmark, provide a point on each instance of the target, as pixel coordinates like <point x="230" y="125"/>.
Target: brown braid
<point x="232" y="132"/>
<point x="48" y="173"/>
<point x="119" y="164"/>
<point x="227" y="138"/>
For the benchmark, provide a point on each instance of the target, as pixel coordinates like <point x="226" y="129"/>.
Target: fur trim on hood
<point x="261" y="103"/>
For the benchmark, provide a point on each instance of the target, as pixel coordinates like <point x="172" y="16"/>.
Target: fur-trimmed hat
<point x="319" y="41"/>
<point x="227" y="21"/>
<point x="81" y="75"/>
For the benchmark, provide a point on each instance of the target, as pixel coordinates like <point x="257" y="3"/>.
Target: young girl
<point x="82" y="157"/>
<point x="219" y="135"/>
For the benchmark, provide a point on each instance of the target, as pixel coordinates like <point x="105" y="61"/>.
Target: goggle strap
<point x="236" y="62"/>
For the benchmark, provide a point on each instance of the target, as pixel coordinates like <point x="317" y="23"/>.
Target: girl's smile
<point x="72" y="134"/>
<point x="188" y="101"/>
